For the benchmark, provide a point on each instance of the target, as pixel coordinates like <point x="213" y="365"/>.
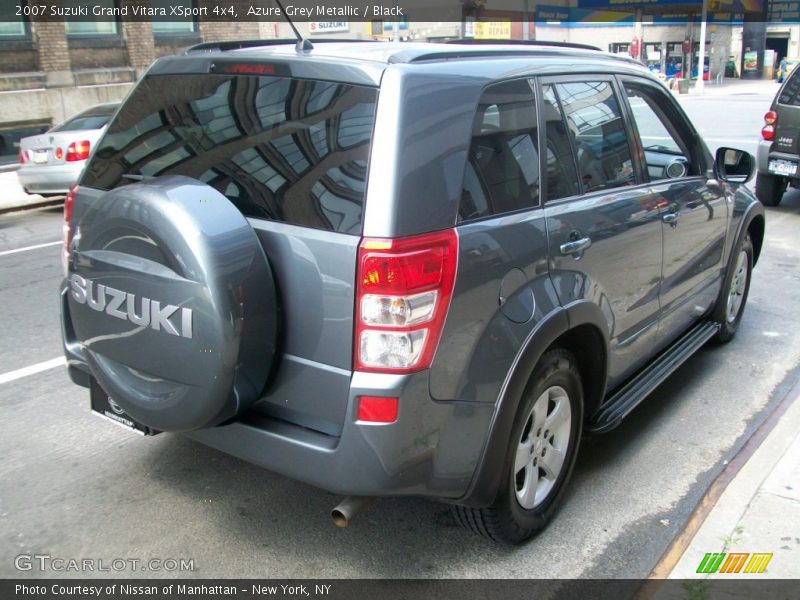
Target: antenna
<point x="302" y="43"/>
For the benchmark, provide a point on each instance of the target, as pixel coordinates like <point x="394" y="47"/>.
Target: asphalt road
<point x="74" y="486"/>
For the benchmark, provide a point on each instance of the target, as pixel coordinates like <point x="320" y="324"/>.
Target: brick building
<point x="50" y="70"/>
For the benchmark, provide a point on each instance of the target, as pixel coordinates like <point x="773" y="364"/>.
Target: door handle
<point x="671" y="218"/>
<point x="576" y="246"/>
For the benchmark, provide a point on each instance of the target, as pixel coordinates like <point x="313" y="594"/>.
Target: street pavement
<point x="72" y="485"/>
<point x="13" y="196"/>
<point x="759" y="509"/>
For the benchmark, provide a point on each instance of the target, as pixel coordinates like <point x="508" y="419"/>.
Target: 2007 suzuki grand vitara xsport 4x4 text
<point x="401" y="269"/>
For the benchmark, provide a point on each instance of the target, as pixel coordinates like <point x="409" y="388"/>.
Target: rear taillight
<point x="403" y="293"/>
<point x="23" y="156"/>
<point x="770" y="121"/>
<point x="78" y="151"/>
<point x="66" y="228"/>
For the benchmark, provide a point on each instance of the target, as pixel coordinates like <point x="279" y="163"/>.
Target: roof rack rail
<point x="410" y="57"/>
<point x="242" y="44"/>
<point x="522" y="43"/>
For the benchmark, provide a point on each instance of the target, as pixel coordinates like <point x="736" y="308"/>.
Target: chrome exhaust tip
<point x="344" y="512"/>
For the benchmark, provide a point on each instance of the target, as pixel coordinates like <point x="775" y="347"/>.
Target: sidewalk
<point x="759" y="510"/>
<point x="733" y="87"/>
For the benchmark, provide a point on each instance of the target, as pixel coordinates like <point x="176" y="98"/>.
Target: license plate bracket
<point x="40" y="157"/>
<point x="104" y="406"/>
<point x="782" y="167"/>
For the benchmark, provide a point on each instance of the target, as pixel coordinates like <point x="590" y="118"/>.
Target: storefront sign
<point x="322" y="27"/>
<point x="492" y="30"/>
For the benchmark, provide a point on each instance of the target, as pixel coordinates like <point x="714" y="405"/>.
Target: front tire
<point x="541" y="454"/>
<point x="730" y="305"/>
<point x="770" y="188"/>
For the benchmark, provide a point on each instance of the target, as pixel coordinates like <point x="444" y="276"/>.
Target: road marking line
<point x="32" y="370"/>
<point x="26" y="248"/>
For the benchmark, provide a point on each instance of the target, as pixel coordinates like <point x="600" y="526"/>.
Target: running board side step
<point x="637" y="389"/>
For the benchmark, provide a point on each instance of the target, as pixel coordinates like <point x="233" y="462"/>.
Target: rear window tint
<point x="790" y="94"/>
<point x="282" y="149"/>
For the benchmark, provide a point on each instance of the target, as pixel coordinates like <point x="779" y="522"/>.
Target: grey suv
<point x="401" y="269"/>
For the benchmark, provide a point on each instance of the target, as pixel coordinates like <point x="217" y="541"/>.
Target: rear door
<point x="502" y="290"/>
<point x="604" y="232"/>
<point x="694" y="215"/>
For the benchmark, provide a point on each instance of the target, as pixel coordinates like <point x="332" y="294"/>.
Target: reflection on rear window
<point x="282" y="149"/>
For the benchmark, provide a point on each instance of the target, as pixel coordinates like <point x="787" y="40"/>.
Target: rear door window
<point x="283" y="149"/>
<point x="502" y="171"/>
<point x="562" y="176"/>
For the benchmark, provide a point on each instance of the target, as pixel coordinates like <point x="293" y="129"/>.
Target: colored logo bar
<point x="734" y="562"/>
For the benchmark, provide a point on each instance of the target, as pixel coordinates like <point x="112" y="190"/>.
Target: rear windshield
<point x="85" y="121"/>
<point x="283" y="149"/>
<point x="790" y="94"/>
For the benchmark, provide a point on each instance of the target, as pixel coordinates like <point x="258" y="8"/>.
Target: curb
<point x="31" y="205"/>
<point x="673" y="554"/>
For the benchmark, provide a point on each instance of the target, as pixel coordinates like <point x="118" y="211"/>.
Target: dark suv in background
<point x="778" y="154"/>
<point x="401" y="270"/>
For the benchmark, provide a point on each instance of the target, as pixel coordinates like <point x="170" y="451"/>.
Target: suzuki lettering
<point x="122" y="305"/>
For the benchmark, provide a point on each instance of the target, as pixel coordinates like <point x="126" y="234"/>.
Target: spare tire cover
<point x="172" y="299"/>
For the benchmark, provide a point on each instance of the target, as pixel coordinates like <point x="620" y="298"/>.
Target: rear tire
<point x="541" y="455"/>
<point x="770" y="188"/>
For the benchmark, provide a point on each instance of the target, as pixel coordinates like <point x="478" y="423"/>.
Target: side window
<point x="601" y="143"/>
<point x="790" y="93"/>
<point x="502" y="172"/>
<point x="666" y="153"/>
<point x="561" y="178"/>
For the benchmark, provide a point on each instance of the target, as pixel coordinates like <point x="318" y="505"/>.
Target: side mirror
<point x="733" y="166"/>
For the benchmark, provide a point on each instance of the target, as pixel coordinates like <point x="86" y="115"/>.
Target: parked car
<point x="401" y="270"/>
<point x="778" y="154"/>
<point x="52" y="162"/>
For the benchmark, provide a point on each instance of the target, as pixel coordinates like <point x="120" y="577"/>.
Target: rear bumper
<point x="432" y="449"/>
<point x="50" y="179"/>
<point x="764" y="153"/>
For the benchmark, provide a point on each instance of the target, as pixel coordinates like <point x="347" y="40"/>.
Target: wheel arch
<point x="748" y="217"/>
<point x="756" y="230"/>
<point x="579" y="328"/>
<point x="586" y="344"/>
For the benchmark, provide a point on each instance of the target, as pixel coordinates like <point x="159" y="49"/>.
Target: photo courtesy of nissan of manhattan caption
<point x="388" y="270"/>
